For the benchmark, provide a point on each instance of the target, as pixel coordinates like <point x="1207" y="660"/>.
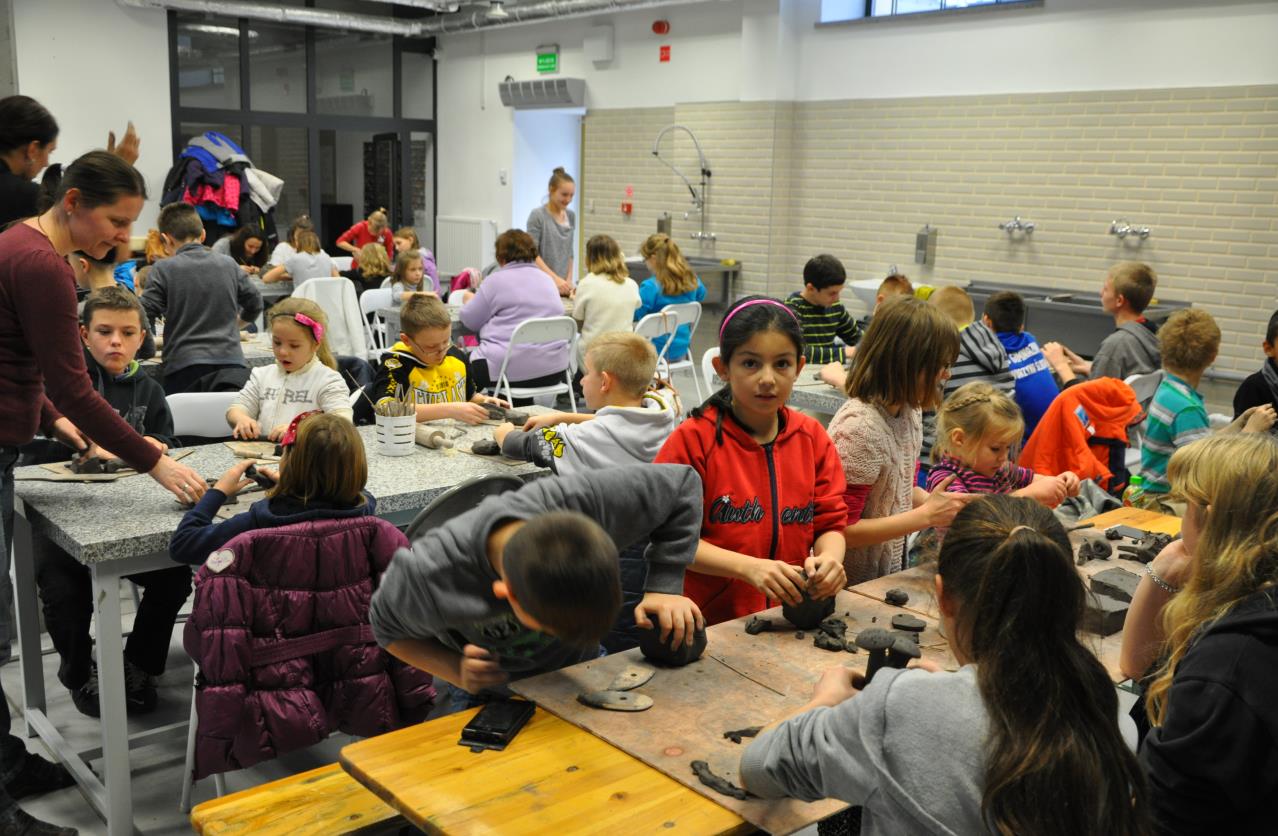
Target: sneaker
<point x="18" y="822"/>
<point x="86" y="696"/>
<point x="140" y="695"/>
<point x="34" y="777"/>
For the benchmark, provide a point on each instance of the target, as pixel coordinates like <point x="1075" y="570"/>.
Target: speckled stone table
<point x="273" y="291"/>
<point x="816" y="395"/>
<point x="123" y="527"/>
<point x="257" y="352"/>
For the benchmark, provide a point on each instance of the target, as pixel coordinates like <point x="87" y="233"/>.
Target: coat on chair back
<point x="286" y="656"/>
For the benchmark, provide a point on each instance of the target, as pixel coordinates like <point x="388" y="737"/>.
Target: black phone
<point x="1128" y="531"/>
<point x="496" y="724"/>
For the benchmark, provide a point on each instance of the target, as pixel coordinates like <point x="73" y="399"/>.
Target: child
<point x="112" y="329"/>
<point x="201" y="296"/>
<point x="375" y="229"/>
<point x="1261" y="388"/>
<point x="1133" y="347"/>
<point x="406" y="241"/>
<point x="426" y="364"/>
<point x="878" y="432"/>
<point x="288" y="246"/>
<point x="606" y="297"/>
<point x="408" y="276"/>
<point x="306" y="261"/>
<point x="553" y="228"/>
<point x="1035" y="386"/>
<point x="372" y="270"/>
<point x="1189" y="341"/>
<point x="821" y="314"/>
<point x="978" y="427"/>
<point x="527" y="581"/>
<point x="247" y="246"/>
<point x="957" y="305"/>
<point x="1207" y="607"/>
<point x="772" y="482"/>
<point x="630" y="420"/>
<point x="836" y="374"/>
<point x="304" y="377"/>
<point x="929" y="751"/>
<point x="672" y="282"/>
<point x="93" y="274"/>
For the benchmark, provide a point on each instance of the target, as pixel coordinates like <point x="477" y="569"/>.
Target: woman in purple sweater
<point x="517" y="291"/>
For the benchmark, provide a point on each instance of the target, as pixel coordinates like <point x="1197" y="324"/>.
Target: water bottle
<point x="1134" y="491"/>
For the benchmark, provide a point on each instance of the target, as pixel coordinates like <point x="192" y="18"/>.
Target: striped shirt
<point x="820" y="327"/>
<point x="1010" y="477"/>
<point x="1177" y="417"/>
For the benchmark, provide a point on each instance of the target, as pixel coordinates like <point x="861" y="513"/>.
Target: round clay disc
<point x="616" y="700"/>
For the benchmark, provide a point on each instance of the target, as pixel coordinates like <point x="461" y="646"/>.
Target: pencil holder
<point x="396" y="434"/>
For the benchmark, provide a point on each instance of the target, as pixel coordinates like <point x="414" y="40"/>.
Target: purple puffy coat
<point x="286" y="656"/>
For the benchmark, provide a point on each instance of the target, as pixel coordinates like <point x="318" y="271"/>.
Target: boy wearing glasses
<point x="426" y="362"/>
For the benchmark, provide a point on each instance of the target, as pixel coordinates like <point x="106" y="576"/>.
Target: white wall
<point x="543" y="141"/>
<point x="95" y="66"/>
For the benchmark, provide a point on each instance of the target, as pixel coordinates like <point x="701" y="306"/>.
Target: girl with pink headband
<point x="774" y="515"/>
<point x="304" y="377"/>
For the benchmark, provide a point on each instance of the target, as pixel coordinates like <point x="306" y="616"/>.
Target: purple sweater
<point x="510" y="295"/>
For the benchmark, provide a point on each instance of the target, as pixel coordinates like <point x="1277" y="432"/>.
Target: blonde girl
<point x="1208" y="604"/>
<point x="978" y="429"/>
<point x="898" y="370"/>
<point x="375" y="229"/>
<point x="306" y="261"/>
<point x="552" y="227"/>
<point x="672" y="282"/>
<point x="409" y="276"/>
<point x="373" y="268"/>
<point x="406" y="241"/>
<point x="606" y="296"/>
<point x="303" y="378"/>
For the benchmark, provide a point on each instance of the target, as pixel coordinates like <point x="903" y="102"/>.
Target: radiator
<point x="463" y="242"/>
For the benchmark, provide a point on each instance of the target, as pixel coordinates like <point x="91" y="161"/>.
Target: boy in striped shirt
<point x="820" y="313"/>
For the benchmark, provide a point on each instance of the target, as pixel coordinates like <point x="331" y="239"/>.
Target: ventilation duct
<point x="543" y="92"/>
<point x="478" y="18"/>
<point x="287" y="14"/>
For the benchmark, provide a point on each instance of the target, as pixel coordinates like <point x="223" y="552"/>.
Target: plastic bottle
<point x="1134" y="491"/>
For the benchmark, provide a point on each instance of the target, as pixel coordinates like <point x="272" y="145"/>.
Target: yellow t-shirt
<point x="445" y="383"/>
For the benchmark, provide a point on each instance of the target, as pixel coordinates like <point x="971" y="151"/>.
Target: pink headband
<point x="316" y="328"/>
<point x="783" y="306"/>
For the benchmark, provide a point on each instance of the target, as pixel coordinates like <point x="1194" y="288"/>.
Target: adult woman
<point x="247" y="246"/>
<point x="514" y="292"/>
<point x="551" y="227"/>
<point x="374" y="229"/>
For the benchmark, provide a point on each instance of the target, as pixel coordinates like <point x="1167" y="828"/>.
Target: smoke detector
<point x="497" y="10"/>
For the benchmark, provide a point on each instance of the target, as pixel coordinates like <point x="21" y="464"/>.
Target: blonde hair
<point x="306" y="241"/>
<point x="422" y="312"/>
<point x="1237" y="550"/>
<point x="673" y="272"/>
<point x="603" y="258"/>
<point x="628" y="357"/>
<point x="409" y="233"/>
<point x="289" y="307"/>
<point x="1135" y="282"/>
<point x="1189" y="341"/>
<point x="980" y="411"/>
<point x="896" y="285"/>
<point x="907" y="346"/>
<point x="325" y="464"/>
<point x="954" y="303"/>
<point x="377" y="220"/>
<point x="402" y="262"/>
<point x="373" y="261"/>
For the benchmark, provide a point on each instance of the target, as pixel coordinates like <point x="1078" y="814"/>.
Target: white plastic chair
<point x="1145" y="386"/>
<point x="370" y="303"/>
<point x="347" y="327"/>
<point x="664" y="323"/>
<point x="536" y="332"/>
<point x="707" y="367"/>
<point x="342" y="262"/>
<point x="188" y="772"/>
<point x="201" y="414"/>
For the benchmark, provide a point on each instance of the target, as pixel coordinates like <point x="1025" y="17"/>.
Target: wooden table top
<point x="553" y="778"/>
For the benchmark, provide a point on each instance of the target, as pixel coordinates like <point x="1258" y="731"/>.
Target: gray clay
<point x="1113" y="534"/>
<point x="653" y="648"/>
<point x="93" y="465"/>
<point x="1146" y="548"/>
<point x="903" y="649"/>
<point x="616" y="700"/>
<point x="495" y="412"/>
<point x="485" y="447"/>
<point x="908" y="623"/>
<point x="1094" y="550"/>
<point x="897" y="597"/>
<point x="517" y="418"/>
<point x="720" y="785"/>
<point x="825" y="641"/>
<point x="876" y="641"/>
<point x="1104" y="615"/>
<point x="799" y="634"/>
<point x="831" y="635"/>
<point x="1116" y="583"/>
<point x="736" y="735"/>
<point x="757" y="625"/>
<point x="631" y="677"/>
<point x="809" y="612"/>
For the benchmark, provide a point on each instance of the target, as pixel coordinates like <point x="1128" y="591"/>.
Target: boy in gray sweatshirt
<point x="527" y="582"/>
<point x="1133" y="347"/>
<point x="201" y="296"/>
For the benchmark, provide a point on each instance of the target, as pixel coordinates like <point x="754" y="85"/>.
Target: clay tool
<point x="744" y="675"/>
<point x="1080" y="527"/>
<point x="615" y="700"/>
<point x="632" y="677"/>
<point x="433" y="438"/>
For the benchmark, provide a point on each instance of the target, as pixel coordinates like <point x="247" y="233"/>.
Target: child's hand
<point x="825" y="575"/>
<point x="537" y="422"/>
<point x="1261" y="420"/>
<point x="478" y="670"/>
<point x="1070" y="481"/>
<point x="835" y="685"/>
<point x="246" y="429"/>
<point x="776" y="579"/>
<point x="278" y="433"/>
<point x="834" y="374"/>
<point x="466" y="412"/>
<point x="233" y="481"/>
<point x="501" y="431"/>
<point x="1046" y="490"/>
<point x="1054" y="354"/>
<point x="677" y="616"/>
<point x="940" y="506"/>
<point x="157" y="444"/>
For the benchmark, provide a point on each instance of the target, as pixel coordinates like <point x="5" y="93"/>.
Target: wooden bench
<point x="321" y="801"/>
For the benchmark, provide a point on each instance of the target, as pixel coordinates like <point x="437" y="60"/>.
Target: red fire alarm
<point x="664" y="56"/>
<point x="660" y="27"/>
<point x="627" y="207"/>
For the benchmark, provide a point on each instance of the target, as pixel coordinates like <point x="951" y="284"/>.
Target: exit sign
<point x="547" y="62"/>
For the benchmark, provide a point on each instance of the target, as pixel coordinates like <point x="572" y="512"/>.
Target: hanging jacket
<point x="1035" y="386"/>
<point x="279" y="630"/>
<point x="1072" y="434"/>
<point x="346" y="324"/>
<point x="221" y="147"/>
<point x="762" y="500"/>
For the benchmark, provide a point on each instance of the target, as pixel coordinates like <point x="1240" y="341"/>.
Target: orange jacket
<point x="1065" y="437"/>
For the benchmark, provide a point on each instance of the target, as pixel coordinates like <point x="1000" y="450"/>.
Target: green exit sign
<point x="547" y="62"/>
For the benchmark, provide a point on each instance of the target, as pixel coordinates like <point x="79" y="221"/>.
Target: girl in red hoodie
<point x="772" y="480"/>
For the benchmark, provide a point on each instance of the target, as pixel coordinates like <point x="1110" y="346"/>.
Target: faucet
<point x="700" y="195"/>
<point x="1016" y="224"/>
<point x="1122" y="229"/>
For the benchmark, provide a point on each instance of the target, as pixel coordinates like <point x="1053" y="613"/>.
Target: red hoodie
<point x="1066" y="437"/>
<point x="770" y="500"/>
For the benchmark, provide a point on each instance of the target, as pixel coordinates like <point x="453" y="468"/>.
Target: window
<point x="834" y="11"/>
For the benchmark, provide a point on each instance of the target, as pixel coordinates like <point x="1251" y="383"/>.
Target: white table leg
<point x="28" y="616"/>
<point x="115" y="728"/>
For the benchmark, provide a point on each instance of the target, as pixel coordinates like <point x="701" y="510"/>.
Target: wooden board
<point x="741" y="681"/>
<point x="261" y="450"/>
<point x="553" y="778"/>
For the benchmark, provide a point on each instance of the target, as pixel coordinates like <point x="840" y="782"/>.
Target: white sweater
<point x="273" y="397"/>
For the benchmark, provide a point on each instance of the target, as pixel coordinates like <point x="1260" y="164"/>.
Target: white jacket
<point x="273" y="397"/>
<point x="345" y="322"/>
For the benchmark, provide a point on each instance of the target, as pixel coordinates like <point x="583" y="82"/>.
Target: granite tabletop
<point x="274" y="290"/>
<point x="134" y="516"/>
<point x="257" y="352"/>
<point x="816" y="395"/>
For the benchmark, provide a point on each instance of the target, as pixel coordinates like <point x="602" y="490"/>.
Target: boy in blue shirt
<point x="1035" y="387"/>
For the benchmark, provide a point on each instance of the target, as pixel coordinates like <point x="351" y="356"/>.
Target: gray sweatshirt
<point x="910" y="749"/>
<point x="442" y="588"/>
<point x="201" y="296"/>
<point x="1131" y="349"/>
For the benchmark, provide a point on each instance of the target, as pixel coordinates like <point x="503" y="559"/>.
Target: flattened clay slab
<point x="1116" y="583"/>
<point x="264" y="450"/>
<point x="616" y="700"/>
<point x="1104" y="615"/>
<point x="632" y="677"/>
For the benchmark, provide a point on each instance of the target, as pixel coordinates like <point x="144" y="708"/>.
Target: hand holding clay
<point x="940" y="507"/>
<point x="1174" y="564"/>
<point x="674" y="614"/>
<point x="478" y="670"/>
<point x="1261" y="420"/>
<point x="1046" y="491"/>
<point x="501" y="431"/>
<point x="1069" y="479"/>
<point x="537" y="422"/>
<point x="278" y="433"/>
<point x="776" y="579"/>
<point x="234" y="480"/>
<point x="825" y="575"/>
<point x="833" y="374"/>
<point x="246" y="429"/>
<point x="835" y="685"/>
<point x="466" y="412"/>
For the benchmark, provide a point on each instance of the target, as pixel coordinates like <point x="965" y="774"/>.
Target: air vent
<point x="549" y="92"/>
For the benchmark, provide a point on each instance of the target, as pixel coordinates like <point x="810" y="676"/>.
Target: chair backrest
<point x="460" y="499"/>
<point x="688" y="313"/>
<point x="1145" y="385"/>
<point x="370" y="303"/>
<point x="707" y="369"/>
<point x="342" y="262"/>
<point x="201" y="413"/>
<point x="347" y="327"/>
<point x="544" y="330"/>
<point x="662" y="323"/>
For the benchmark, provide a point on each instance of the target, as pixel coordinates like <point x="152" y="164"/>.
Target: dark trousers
<point x="183" y="379"/>
<point x="66" y="593"/>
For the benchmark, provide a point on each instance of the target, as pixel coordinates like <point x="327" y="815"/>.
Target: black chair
<point x="460" y="499"/>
